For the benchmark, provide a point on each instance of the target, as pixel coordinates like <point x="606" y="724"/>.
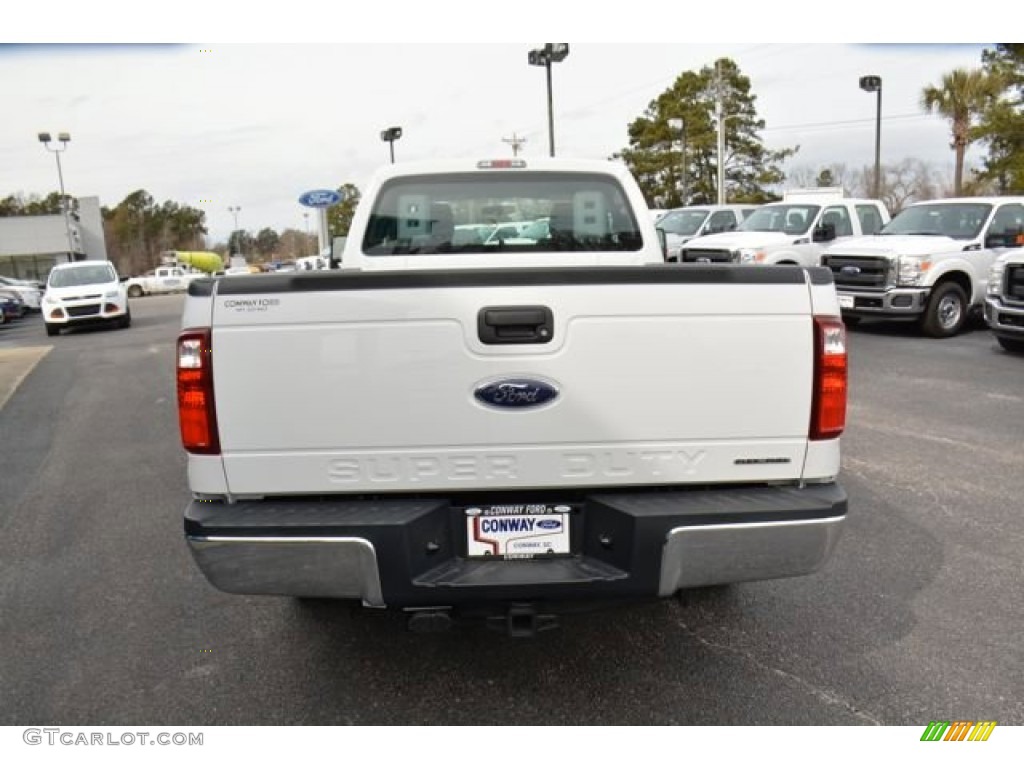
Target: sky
<point x="255" y="124"/>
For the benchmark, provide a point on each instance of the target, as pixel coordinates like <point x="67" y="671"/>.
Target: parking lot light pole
<point x="545" y="57"/>
<point x="391" y="135"/>
<point x="678" y="124"/>
<point x="63" y="138"/>
<point x="873" y="84"/>
<point x="234" y="211"/>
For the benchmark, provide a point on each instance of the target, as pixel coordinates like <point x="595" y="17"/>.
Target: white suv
<point x="83" y="293"/>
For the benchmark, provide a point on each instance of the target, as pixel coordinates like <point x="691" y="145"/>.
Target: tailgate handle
<point x="515" y="325"/>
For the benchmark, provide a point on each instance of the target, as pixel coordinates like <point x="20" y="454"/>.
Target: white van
<point x="84" y="293"/>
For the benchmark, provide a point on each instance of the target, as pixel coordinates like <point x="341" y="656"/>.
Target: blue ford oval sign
<point x="320" y="198"/>
<point x="516" y="393"/>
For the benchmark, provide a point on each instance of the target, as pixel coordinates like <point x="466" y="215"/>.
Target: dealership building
<point x="31" y="245"/>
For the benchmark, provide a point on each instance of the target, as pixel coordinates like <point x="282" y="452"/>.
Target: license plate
<point x="845" y="302"/>
<point x="517" y="531"/>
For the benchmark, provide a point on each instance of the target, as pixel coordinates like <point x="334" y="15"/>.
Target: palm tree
<point x="961" y="97"/>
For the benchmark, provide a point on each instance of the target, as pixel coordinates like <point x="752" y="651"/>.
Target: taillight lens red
<point x="828" y="408"/>
<point x="197" y="415"/>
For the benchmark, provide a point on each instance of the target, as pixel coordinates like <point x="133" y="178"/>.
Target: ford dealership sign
<point x="320" y="198"/>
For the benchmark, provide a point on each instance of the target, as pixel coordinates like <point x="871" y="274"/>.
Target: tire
<point x="126" y="321"/>
<point x="850" y="321"/>
<point x="134" y="291"/>
<point x="946" y="312"/>
<point x="52" y="330"/>
<point x="1011" y="345"/>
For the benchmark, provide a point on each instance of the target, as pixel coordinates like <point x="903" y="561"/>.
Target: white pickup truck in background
<point x="930" y="264"/>
<point x="794" y="231"/>
<point x="1004" y="304"/>
<point x="508" y="427"/>
<point x="167" y="279"/>
<point x="681" y="225"/>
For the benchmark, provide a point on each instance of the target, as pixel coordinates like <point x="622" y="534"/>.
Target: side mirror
<point x="824" y="233"/>
<point x="663" y="242"/>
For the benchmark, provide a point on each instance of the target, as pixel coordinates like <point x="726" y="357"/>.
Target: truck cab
<point x="681" y="225"/>
<point x="930" y="264"/>
<point x="794" y="231"/>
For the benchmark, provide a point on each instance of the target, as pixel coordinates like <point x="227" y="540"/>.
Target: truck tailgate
<point x="367" y="383"/>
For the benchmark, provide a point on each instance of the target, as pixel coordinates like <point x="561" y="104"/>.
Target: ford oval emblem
<point x="320" y="198"/>
<point x="516" y="393"/>
<point x="849" y="269"/>
<point x="549" y="525"/>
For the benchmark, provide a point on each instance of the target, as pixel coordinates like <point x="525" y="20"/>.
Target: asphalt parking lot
<point x="104" y="619"/>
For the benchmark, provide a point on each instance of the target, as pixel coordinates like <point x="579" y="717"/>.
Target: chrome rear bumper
<point x="305" y="567"/>
<point x="696" y="556"/>
<point x="630" y="543"/>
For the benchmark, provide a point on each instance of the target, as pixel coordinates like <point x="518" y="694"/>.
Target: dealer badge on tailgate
<point x="518" y="531"/>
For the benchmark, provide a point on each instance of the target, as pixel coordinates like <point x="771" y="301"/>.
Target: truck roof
<point x="961" y="200"/>
<point x="511" y="165"/>
<point x="715" y="207"/>
<point x="817" y="193"/>
<point x="810" y="200"/>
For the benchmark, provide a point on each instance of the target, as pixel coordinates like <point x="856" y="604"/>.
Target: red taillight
<point x="828" y="406"/>
<point x="197" y="415"/>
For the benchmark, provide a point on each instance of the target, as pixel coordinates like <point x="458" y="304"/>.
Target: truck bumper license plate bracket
<point x="517" y="531"/>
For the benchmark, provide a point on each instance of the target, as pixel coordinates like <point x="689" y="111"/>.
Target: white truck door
<point x="172" y="280"/>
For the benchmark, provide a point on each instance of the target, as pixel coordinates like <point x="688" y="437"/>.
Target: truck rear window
<point x="501" y="211"/>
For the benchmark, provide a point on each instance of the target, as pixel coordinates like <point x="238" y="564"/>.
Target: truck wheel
<point x="1011" y="345"/>
<point x="52" y="330"/>
<point x="134" y="291"/>
<point x="946" y="312"/>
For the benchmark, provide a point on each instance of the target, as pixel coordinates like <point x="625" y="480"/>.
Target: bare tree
<point x="908" y="181"/>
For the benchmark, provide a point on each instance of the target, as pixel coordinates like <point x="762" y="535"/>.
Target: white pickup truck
<point x="930" y="264"/>
<point x="795" y="231"/>
<point x="1004" y="304"/>
<point x="681" y="225"/>
<point x="510" y="427"/>
<point x="168" y="279"/>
